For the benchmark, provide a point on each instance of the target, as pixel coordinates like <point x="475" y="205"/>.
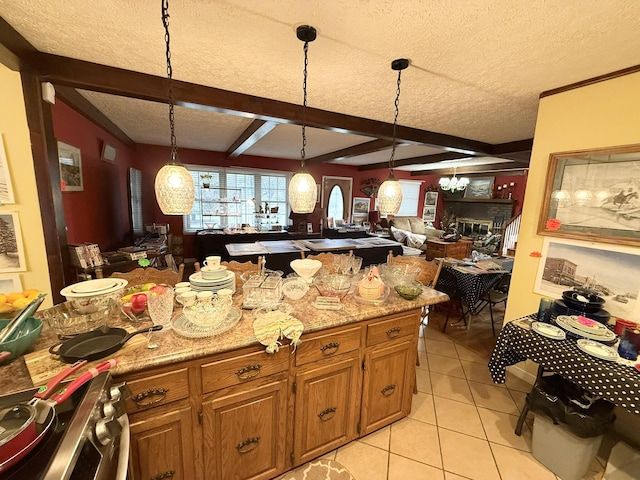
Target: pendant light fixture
<point x="390" y="192"/>
<point x="453" y="184"/>
<point x="302" y="187"/>
<point x="173" y="185"/>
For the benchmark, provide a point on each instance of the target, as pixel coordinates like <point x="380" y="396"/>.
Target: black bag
<point x="564" y="402"/>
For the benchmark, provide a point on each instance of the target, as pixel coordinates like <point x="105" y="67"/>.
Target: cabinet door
<point x="387" y="385"/>
<point x="326" y="409"/>
<point x="162" y="446"/>
<point x="244" y="432"/>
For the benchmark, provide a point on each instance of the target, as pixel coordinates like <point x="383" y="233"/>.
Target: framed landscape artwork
<point x="480" y="187"/>
<point x="10" y="282"/>
<point x="11" y="250"/>
<point x="6" y="189"/>
<point x="593" y="195"/>
<point x="429" y="209"/>
<point x="610" y="270"/>
<point x="70" y="168"/>
<point x="361" y="205"/>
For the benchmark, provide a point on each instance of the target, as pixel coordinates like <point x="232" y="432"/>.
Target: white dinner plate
<point x="99" y="286"/>
<point x="196" y="279"/>
<point x="590" y="326"/>
<point x="549" y="331"/>
<point x="598" y="350"/>
<point x="601" y="336"/>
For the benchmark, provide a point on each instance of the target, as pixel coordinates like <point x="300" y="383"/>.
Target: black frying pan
<point x="96" y="344"/>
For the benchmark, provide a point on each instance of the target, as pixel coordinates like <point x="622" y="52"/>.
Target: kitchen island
<point x="221" y="407"/>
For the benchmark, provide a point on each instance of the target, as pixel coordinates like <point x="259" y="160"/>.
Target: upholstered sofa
<point x="412" y="232"/>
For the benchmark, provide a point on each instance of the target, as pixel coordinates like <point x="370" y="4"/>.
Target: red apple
<point x="138" y="303"/>
<point x="157" y="290"/>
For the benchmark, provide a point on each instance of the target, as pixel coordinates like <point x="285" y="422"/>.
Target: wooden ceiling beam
<point x="252" y="134"/>
<point x="354" y="151"/>
<point x="424" y="159"/>
<point x="84" y="107"/>
<point x="116" y="81"/>
<point x="473" y="169"/>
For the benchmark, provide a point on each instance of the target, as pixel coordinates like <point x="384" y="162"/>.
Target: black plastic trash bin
<point x="568" y="426"/>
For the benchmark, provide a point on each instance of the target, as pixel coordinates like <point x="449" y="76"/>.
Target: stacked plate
<point x="91" y="288"/>
<point x="582" y="327"/>
<point x="198" y="283"/>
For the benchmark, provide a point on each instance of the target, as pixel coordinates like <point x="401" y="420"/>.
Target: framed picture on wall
<point x="480" y="187"/>
<point x="11" y="249"/>
<point x="361" y="205"/>
<point x="6" y="189"/>
<point x="10" y="282"/>
<point x="593" y="195"/>
<point x="430" y="198"/>
<point x="429" y="213"/>
<point x="70" y="168"/>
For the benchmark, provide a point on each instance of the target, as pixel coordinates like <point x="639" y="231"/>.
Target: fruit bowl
<point x="333" y="285"/>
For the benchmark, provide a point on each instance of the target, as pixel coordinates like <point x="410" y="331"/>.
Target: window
<point x="234" y="197"/>
<point x="410" y="194"/>
<point x="135" y="200"/>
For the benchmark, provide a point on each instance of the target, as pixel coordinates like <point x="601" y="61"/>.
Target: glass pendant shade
<point x="453" y="184"/>
<point x="174" y="190"/>
<point x="302" y="192"/>
<point x="389" y="196"/>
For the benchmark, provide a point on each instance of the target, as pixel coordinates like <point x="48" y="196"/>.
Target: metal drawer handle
<point x="388" y="390"/>
<point x="248" y="444"/>
<point x="327" y="414"/>
<point x="250" y="371"/>
<point x="330" y="348"/>
<point x="160" y="393"/>
<point x="394" y="332"/>
<point x="168" y="474"/>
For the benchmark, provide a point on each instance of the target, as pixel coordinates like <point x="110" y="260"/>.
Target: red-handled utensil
<point x="24" y="425"/>
<point x="4" y="355"/>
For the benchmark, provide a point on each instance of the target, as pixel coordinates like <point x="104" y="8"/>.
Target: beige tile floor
<point x="461" y="424"/>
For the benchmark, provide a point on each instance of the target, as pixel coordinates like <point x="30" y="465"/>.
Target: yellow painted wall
<point x="600" y="115"/>
<point x="17" y="145"/>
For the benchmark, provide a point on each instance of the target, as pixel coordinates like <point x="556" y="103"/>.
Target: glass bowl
<point x="71" y="318"/>
<point x="294" y="288"/>
<point x="398" y="274"/>
<point x="207" y="314"/>
<point x="409" y="291"/>
<point x="333" y="285"/>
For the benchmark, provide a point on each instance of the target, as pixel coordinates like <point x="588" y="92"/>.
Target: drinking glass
<point x="160" y="306"/>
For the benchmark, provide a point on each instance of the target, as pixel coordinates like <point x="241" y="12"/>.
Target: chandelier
<point x="173" y="185"/>
<point x="453" y="184"/>
<point x="302" y="187"/>
<point x="390" y="192"/>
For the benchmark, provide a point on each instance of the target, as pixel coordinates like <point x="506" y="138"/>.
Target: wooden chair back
<point x="326" y="258"/>
<point x="141" y="276"/>
<point x="239" y="268"/>
<point x="429" y="271"/>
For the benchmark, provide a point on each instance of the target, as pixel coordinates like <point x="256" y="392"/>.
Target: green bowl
<point x="22" y="340"/>
<point x="408" y="292"/>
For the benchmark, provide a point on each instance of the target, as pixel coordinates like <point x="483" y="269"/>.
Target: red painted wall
<point x="99" y="213"/>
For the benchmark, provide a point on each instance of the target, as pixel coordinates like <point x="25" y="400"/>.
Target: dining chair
<point x="448" y="283"/>
<point x="495" y="295"/>
<point x="140" y="276"/>
<point x="326" y="258"/>
<point x="239" y="268"/>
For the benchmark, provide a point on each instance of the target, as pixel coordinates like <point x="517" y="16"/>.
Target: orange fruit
<point x="5" y="308"/>
<point x="20" y="303"/>
<point x="3" y="299"/>
<point x="13" y="296"/>
<point x="31" y="291"/>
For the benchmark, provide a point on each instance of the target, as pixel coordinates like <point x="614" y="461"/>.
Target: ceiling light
<point x="302" y="187"/>
<point x="173" y="185"/>
<point x="390" y="192"/>
<point x="453" y="184"/>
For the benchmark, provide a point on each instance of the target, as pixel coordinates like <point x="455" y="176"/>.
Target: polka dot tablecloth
<point x="618" y="383"/>
<point x="472" y="285"/>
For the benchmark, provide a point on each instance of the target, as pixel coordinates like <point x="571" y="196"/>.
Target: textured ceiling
<point x="477" y="67"/>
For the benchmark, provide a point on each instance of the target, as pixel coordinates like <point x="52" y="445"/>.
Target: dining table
<point x="616" y="380"/>
<point x="472" y="282"/>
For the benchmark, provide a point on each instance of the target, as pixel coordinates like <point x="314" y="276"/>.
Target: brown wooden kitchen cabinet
<point x="162" y="446"/>
<point x="245" y="431"/>
<point x="246" y="414"/>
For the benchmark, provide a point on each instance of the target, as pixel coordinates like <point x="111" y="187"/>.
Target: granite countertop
<point x="173" y="348"/>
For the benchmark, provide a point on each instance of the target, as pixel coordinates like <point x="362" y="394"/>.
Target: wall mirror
<point x="593" y="195"/>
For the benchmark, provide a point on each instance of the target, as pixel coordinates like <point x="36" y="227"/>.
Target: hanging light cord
<point x="167" y="39"/>
<point x="304" y="102"/>
<point x="395" y="122"/>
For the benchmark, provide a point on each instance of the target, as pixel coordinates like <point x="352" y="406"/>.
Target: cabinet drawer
<point x="391" y="329"/>
<point x="237" y="370"/>
<point x="327" y="345"/>
<point x="157" y="390"/>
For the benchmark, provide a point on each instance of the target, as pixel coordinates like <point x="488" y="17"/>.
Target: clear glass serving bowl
<point x="333" y="285"/>
<point x="69" y="318"/>
<point x="398" y="274"/>
<point x="207" y="313"/>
